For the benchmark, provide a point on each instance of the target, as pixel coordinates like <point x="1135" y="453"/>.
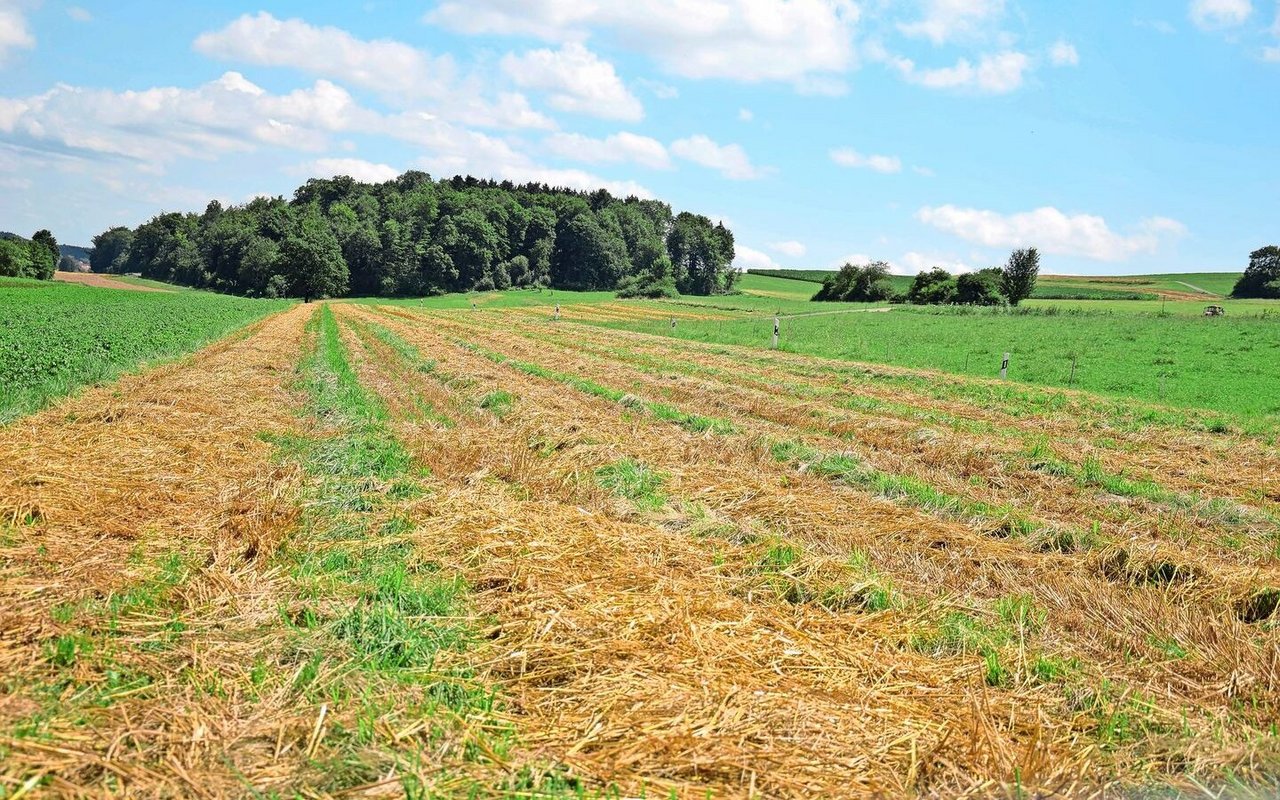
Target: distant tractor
<point x="1215" y="311"/>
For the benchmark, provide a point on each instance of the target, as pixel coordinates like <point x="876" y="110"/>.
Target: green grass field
<point x="1068" y="287"/>
<point x="57" y="337"/>
<point x="1157" y="351"/>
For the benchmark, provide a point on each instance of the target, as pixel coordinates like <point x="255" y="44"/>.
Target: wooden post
<point x="673" y="322"/>
<point x="775" y="333"/>
<point x="557" y="312"/>
<point x="1004" y="367"/>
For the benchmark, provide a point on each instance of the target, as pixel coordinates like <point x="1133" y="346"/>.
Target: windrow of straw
<point x="725" y="638"/>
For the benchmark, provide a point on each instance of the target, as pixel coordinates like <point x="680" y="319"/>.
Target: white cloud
<point x="995" y="74"/>
<point x="577" y="80"/>
<point x="660" y="90"/>
<point x="359" y="169"/>
<point x="1052" y="231"/>
<point x="912" y="263"/>
<point x="730" y="160"/>
<point x="745" y="115"/>
<point x="847" y="157"/>
<point x="925" y="171"/>
<point x="620" y="147"/>
<point x="14" y="34"/>
<point x="402" y="75"/>
<point x="745" y="258"/>
<point x="743" y="40"/>
<point x="1213" y="14"/>
<point x="948" y="20"/>
<point x="1271" y="54"/>
<point x="791" y="249"/>
<point x="1063" y="54"/>
<point x="79" y="14"/>
<point x="857" y="259"/>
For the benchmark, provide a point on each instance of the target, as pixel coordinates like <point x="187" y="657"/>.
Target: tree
<point x="15" y="258"/>
<point x="701" y="255"/>
<point x="45" y="239"/>
<point x="43" y="263"/>
<point x="109" y="250"/>
<point x="868" y="283"/>
<point x="1262" y="277"/>
<point x="934" y="287"/>
<point x="980" y="288"/>
<point x="1019" y="278"/>
<point x="313" y="260"/>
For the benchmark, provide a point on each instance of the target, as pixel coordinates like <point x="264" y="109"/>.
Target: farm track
<point x="155" y="485"/>
<point x="947" y="459"/>
<point x="1111" y="626"/>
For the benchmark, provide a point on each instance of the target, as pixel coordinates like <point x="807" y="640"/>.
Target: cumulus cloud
<point x="1052" y="231"/>
<point x="912" y="263"/>
<point x="730" y="160"/>
<point x="14" y="33"/>
<point x="790" y="249"/>
<point x="402" y="75"/>
<point x="745" y="258"/>
<point x="1063" y="54"/>
<point x="577" y="80"/>
<point x="620" y="147"/>
<point x="848" y="157"/>
<point x="949" y="20"/>
<point x="357" y="168"/>
<point x="743" y="40"/>
<point x="1214" y="14"/>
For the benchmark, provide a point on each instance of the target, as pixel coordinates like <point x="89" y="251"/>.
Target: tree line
<point x="870" y="283"/>
<point x="36" y="257"/>
<point x="417" y="236"/>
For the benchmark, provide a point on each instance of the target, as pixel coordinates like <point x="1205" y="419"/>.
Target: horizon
<point x="1121" y="142"/>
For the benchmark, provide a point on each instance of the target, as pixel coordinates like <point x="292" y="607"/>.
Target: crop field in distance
<point x="460" y="547"/>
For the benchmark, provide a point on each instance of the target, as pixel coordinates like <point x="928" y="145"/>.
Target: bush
<point x="980" y="288"/>
<point x="935" y="287"/>
<point x="868" y="283"/>
<point x="646" y="285"/>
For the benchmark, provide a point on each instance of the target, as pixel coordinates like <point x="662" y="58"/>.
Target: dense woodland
<point x="418" y="236"/>
<point x="1262" y="277"/>
<point x="870" y="283"/>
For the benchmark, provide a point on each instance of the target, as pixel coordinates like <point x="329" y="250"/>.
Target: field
<point x="1187" y="286"/>
<point x="424" y="549"/>
<point x="57" y="337"/>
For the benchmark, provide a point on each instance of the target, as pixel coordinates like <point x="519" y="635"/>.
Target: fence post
<point x="775" y="333"/>
<point x="1004" y="367"/>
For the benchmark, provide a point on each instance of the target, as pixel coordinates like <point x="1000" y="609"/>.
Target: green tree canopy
<point x="1262" y="277"/>
<point x="866" y="283"/>
<point x="1020" y="273"/>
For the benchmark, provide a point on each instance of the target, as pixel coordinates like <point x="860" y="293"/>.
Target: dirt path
<point x="1198" y="289"/>
<point x="103" y="282"/>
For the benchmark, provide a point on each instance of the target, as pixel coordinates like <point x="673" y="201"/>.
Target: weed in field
<point x="499" y="402"/>
<point x="634" y="481"/>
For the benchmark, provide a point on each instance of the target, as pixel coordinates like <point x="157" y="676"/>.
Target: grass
<point x="629" y="479"/>
<point x="1120" y="349"/>
<point x="57" y="337"/>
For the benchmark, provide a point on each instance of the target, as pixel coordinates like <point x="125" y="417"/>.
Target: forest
<point x="417" y="236"/>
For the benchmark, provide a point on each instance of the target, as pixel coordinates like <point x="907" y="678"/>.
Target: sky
<point x="1117" y="137"/>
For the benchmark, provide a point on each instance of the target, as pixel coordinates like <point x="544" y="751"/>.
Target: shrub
<point x="868" y="283"/>
<point x="935" y="287"/>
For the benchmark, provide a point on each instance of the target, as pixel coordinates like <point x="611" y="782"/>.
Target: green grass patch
<point x="498" y="402"/>
<point x="634" y="481"/>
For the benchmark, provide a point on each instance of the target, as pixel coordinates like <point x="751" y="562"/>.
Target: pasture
<point x="424" y="549"/>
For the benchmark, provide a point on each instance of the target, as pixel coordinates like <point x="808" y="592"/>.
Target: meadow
<point x="56" y="337"/>
<point x="1161" y="352"/>
<point x="455" y="547"/>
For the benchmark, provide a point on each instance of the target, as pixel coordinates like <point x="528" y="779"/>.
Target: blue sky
<point x="1117" y="137"/>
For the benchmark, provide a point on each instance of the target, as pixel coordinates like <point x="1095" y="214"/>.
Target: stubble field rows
<point x="373" y="549"/>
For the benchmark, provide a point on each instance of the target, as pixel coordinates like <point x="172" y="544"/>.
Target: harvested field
<point x="371" y="550"/>
<point x="102" y="281"/>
